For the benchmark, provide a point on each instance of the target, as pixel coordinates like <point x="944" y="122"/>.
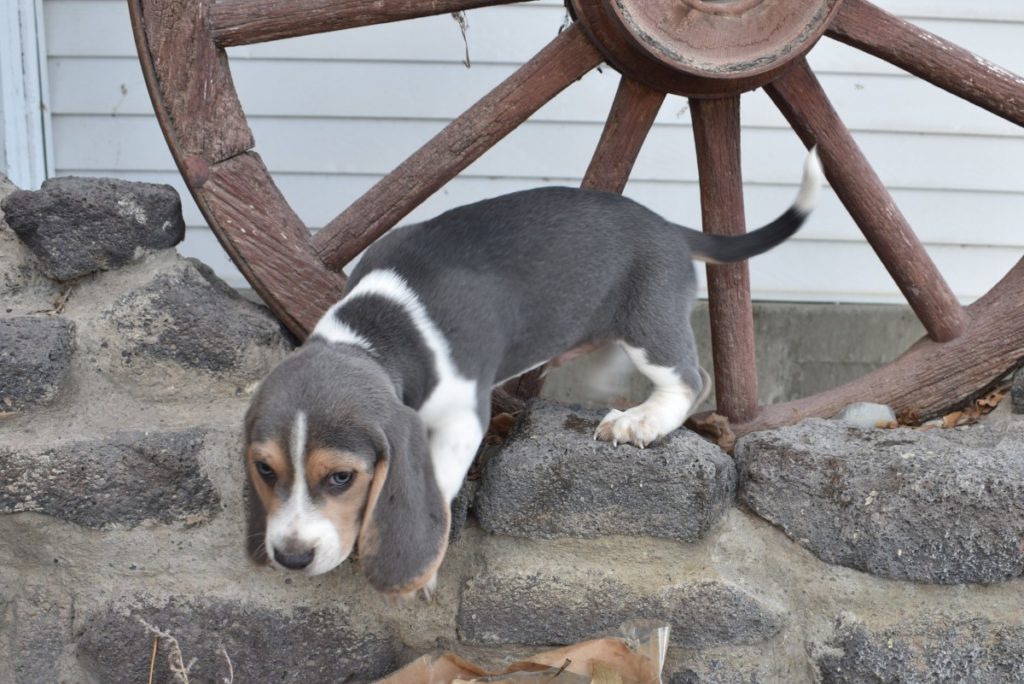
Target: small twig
<point x="62" y="300"/>
<point x="460" y="19"/>
<point x="555" y="676"/>
<point x="175" y="658"/>
<point x="152" y="658"/>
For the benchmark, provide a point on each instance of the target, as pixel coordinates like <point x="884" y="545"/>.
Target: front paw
<point x="633" y="426"/>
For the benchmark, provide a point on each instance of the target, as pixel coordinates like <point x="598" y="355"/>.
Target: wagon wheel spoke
<point x="629" y="121"/>
<point x="802" y="101"/>
<point x="945" y="64"/>
<point x="243" y="22"/>
<point x="564" y="60"/>
<point x="716" y="132"/>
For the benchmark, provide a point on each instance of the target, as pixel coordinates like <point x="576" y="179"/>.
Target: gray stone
<point x="864" y="414"/>
<point x="548" y="606"/>
<point x="327" y="644"/>
<point x="191" y="317"/>
<point x="38" y="623"/>
<point x="78" y="226"/>
<point x="35" y="359"/>
<point x="943" y="506"/>
<point x="553" y="479"/>
<point x="23" y="286"/>
<point x="737" y="666"/>
<point x="122" y="479"/>
<point x="934" y="648"/>
<point x="1017" y="391"/>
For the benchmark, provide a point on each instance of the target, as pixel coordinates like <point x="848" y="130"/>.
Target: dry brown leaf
<point x="950" y="419"/>
<point x="602" y="661"/>
<point x="716" y="427"/>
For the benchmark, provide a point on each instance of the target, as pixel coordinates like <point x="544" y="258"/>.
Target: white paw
<point x="638" y="425"/>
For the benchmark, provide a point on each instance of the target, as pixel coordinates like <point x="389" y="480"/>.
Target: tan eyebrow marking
<point x="324" y="461"/>
<point x="272" y="454"/>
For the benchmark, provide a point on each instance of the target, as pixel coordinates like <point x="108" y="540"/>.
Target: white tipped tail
<point x="810" y="184"/>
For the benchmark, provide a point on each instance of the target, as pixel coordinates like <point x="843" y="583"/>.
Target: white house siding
<point x="332" y="113"/>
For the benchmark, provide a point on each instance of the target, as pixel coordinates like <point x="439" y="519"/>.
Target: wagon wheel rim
<point x="659" y="47"/>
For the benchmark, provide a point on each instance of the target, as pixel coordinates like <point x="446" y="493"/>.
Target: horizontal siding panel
<point x="442" y="92"/>
<point x="512" y="34"/>
<point x="375" y="147"/>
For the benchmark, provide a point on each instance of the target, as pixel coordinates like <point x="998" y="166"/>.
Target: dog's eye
<point x="265" y="471"/>
<point x="340" y="480"/>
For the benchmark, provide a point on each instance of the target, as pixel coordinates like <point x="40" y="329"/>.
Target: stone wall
<point x="817" y="553"/>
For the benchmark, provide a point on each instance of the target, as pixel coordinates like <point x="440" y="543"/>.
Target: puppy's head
<point x="336" y="462"/>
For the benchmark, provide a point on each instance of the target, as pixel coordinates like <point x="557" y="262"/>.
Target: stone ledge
<point x="264" y="644"/>
<point x="35" y="359"/>
<point x="941" y="506"/>
<point x="545" y="595"/>
<point x="77" y="226"/>
<point x="185" y="314"/>
<point x="124" y="479"/>
<point x="928" y="648"/>
<point x="552" y="479"/>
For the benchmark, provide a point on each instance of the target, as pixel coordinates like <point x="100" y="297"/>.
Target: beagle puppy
<point x="363" y="436"/>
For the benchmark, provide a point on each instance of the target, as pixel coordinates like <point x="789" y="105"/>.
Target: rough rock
<point x="23" y="287"/>
<point x="552" y="479"/>
<point x="550" y="606"/>
<point x="943" y="506"/>
<point x="934" y="648"/>
<point x="189" y="316"/>
<point x="263" y="644"/>
<point x="122" y="479"/>
<point x="867" y="415"/>
<point x="38" y="624"/>
<point x="735" y="665"/>
<point x="35" y="359"/>
<point x="77" y="226"/>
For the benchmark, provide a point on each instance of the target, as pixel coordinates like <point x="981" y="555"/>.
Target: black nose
<point x="294" y="561"/>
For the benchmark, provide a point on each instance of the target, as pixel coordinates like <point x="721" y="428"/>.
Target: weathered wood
<point x="716" y="132"/>
<point x="930" y="378"/>
<point x="698" y="48"/>
<point x="268" y="242"/>
<point x="803" y="102"/>
<point x="189" y="81"/>
<point x="243" y="22"/>
<point x="926" y="55"/>
<point x="497" y="114"/>
<point x="632" y="114"/>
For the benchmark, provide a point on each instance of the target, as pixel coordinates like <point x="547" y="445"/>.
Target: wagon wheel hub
<point x="703" y="47"/>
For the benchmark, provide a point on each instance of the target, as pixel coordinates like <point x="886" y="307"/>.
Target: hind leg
<point x="680" y="384"/>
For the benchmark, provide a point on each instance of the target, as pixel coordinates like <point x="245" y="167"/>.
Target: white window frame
<point x="26" y="152"/>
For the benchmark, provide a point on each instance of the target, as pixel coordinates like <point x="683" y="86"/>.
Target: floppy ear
<point x="255" y="525"/>
<point x="404" y="533"/>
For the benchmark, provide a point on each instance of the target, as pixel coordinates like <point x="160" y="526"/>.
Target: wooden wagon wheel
<point x="708" y="50"/>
